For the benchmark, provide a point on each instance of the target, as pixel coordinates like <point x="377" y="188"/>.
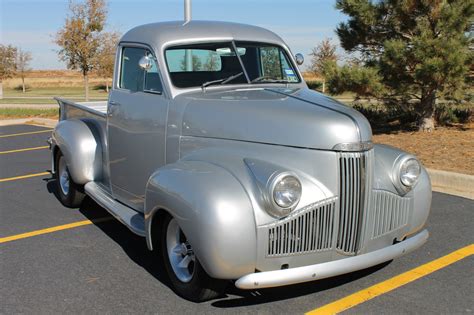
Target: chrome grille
<point x="390" y="212"/>
<point x="354" y="186"/>
<point x="310" y="229"/>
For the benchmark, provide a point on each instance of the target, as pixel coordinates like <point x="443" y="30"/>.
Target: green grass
<point x="8" y="113"/>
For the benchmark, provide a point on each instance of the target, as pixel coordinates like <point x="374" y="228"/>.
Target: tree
<point x="212" y="63"/>
<point x="80" y="38"/>
<point x="7" y="64"/>
<point x="105" y="59"/>
<point x="417" y="49"/>
<point x="321" y="57"/>
<point x="271" y="64"/>
<point x="196" y="63"/>
<point x="23" y="59"/>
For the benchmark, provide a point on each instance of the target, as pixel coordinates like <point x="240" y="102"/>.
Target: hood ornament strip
<point x="354" y="146"/>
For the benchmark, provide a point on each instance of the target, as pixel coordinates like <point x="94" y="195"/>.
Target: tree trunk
<point x="1" y="90"/>
<point x="86" y="86"/>
<point x="324" y="86"/>
<point x="23" y="84"/>
<point x="106" y="86"/>
<point x="427" y="108"/>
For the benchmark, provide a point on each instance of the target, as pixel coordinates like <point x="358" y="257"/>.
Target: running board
<point x="129" y="217"/>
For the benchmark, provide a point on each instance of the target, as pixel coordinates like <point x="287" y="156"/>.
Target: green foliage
<point x="449" y="113"/>
<point x="271" y="62"/>
<point x="314" y="84"/>
<point x="364" y="81"/>
<point x="383" y="117"/>
<point x="417" y="49"/>
<point x="28" y="112"/>
<point x="196" y="63"/>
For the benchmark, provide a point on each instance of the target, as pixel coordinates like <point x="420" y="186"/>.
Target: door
<point x="136" y="125"/>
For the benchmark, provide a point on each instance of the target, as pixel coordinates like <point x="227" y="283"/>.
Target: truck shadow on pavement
<point x="242" y="298"/>
<point x="135" y="247"/>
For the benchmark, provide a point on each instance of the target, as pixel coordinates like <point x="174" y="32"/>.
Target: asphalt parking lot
<point x="59" y="260"/>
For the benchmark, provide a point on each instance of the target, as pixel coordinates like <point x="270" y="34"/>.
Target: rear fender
<point x="80" y="145"/>
<point x="214" y="212"/>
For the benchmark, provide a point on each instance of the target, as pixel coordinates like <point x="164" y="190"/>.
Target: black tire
<point x="201" y="287"/>
<point x="73" y="196"/>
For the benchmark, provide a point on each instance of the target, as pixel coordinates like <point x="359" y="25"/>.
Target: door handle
<point x="110" y="110"/>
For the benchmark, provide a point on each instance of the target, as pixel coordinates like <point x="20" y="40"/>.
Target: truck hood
<point x="290" y="117"/>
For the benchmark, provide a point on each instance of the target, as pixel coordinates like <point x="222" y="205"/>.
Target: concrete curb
<point x="452" y="183"/>
<point x="457" y="184"/>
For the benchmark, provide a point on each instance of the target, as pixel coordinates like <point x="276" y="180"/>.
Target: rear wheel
<point x="188" y="278"/>
<point x="70" y="194"/>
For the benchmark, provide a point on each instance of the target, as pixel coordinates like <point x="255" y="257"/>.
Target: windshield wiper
<point x="221" y="81"/>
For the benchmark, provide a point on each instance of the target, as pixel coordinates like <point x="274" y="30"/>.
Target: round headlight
<point x="286" y="192"/>
<point x="410" y="170"/>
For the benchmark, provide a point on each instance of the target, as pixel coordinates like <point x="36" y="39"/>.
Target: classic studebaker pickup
<point x="212" y="148"/>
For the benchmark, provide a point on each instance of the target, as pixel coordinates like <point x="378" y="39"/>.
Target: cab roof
<point x="159" y="35"/>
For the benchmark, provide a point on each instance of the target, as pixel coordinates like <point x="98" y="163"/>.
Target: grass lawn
<point x="11" y="113"/>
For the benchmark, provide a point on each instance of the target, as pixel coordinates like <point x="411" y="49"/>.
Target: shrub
<point x="314" y="84"/>
<point x="20" y="87"/>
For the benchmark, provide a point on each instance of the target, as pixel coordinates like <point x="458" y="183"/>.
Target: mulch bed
<point x="445" y="148"/>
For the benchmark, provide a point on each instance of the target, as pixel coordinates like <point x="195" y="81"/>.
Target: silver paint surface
<point x="204" y="157"/>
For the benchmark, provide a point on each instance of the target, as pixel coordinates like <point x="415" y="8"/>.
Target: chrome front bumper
<point x="277" y="278"/>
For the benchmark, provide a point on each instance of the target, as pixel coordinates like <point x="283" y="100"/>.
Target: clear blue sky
<point x="31" y="24"/>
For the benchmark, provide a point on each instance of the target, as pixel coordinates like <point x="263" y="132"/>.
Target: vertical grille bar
<point x="391" y="212"/>
<point x="352" y="192"/>
<point x="309" y="230"/>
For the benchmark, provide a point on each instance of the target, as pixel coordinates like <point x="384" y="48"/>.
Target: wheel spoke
<point x="178" y="250"/>
<point x="185" y="262"/>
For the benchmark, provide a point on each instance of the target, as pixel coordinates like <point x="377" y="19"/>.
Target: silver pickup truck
<point x="212" y="148"/>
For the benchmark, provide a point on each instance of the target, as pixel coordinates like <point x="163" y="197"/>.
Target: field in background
<point x="43" y="85"/>
<point x="52" y="79"/>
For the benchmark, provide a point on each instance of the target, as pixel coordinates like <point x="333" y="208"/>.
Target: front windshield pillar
<point x="240" y="60"/>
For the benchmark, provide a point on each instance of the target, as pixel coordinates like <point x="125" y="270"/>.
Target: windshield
<point x="201" y="65"/>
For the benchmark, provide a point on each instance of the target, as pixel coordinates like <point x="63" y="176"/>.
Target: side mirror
<point x="299" y="59"/>
<point x="145" y="63"/>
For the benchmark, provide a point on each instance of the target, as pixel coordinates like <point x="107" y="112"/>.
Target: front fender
<point x="213" y="210"/>
<point x="385" y="157"/>
<point x="81" y="148"/>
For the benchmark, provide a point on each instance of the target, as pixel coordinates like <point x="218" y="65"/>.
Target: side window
<point x="134" y="78"/>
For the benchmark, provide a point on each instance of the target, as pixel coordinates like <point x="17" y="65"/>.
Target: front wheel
<point x="188" y="278"/>
<point x="69" y="193"/>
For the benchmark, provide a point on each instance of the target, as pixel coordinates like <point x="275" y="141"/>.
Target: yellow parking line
<point x="25" y="133"/>
<point x="393" y="283"/>
<point x="8" y="179"/>
<point x="52" y="229"/>
<point x="26" y="149"/>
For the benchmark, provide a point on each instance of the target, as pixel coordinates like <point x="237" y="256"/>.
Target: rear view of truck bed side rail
<point x="69" y="109"/>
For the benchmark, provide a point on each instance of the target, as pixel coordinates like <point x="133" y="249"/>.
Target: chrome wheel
<point x="64" y="180"/>
<point x="180" y="252"/>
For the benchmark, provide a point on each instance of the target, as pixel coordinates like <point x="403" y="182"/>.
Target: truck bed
<point x="70" y="109"/>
